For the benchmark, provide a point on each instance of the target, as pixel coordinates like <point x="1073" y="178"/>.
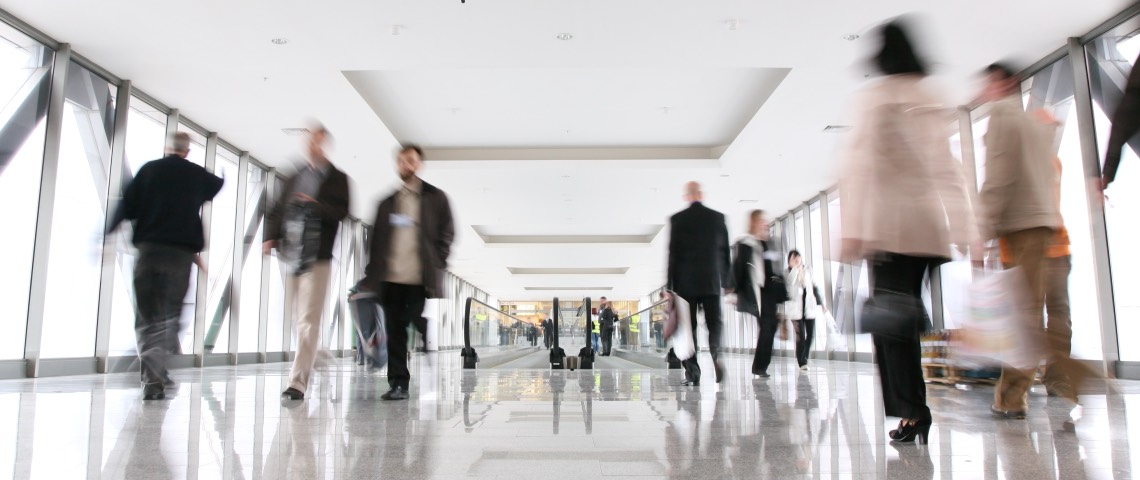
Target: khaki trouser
<point x="308" y="292"/>
<point x="1028" y="250"/>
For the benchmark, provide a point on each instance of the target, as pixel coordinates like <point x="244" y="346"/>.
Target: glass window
<point x="955" y="275"/>
<point x="71" y="304"/>
<point x="27" y="77"/>
<point x="221" y="248"/>
<point x="275" y="333"/>
<point x="1111" y="58"/>
<point x="250" y="318"/>
<point x="801" y="232"/>
<point x="145" y="141"/>
<point x="817" y="269"/>
<point x="1052" y="90"/>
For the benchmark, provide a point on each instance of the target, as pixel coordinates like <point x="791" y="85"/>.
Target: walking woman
<point x="804" y="305"/>
<point x="904" y="204"/>
<point x="759" y="287"/>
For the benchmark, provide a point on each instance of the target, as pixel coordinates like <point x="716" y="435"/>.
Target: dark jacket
<point x="1125" y="124"/>
<point x="699" y="259"/>
<point x="606" y="319"/>
<point x="437" y="230"/>
<point x="746" y="300"/>
<point x="332" y="201"/>
<point x="164" y="201"/>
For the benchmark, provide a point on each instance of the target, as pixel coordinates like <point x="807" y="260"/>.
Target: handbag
<point x="678" y="328"/>
<point x="893" y="315"/>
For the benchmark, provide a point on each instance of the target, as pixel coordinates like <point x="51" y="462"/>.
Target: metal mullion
<point x="114" y="193"/>
<point x="41" y="252"/>
<point x="266" y="264"/>
<point x="240" y="229"/>
<point x="825" y="227"/>
<point x="1086" y="128"/>
<point x="203" y="285"/>
<point x="172" y="120"/>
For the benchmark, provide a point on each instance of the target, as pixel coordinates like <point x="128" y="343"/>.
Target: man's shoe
<point x="718" y="368"/>
<point x="292" y="394"/>
<point x="762" y="375"/>
<point x="1010" y="414"/>
<point x="691" y="383"/>
<point x="154" y="392"/>
<point x="396" y="393"/>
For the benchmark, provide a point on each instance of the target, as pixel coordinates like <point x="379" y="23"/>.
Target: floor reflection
<point x="826" y="423"/>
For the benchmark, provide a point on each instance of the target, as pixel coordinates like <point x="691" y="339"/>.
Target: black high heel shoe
<point x="908" y="433"/>
<point x="894" y="434"/>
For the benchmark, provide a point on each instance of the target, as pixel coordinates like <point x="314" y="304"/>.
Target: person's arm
<point x="725" y="253"/>
<point x="1003" y="155"/>
<point x="1125" y="124"/>
<point x="858" y="178"/>
<point x="371" y="280"/>
<point x="447" y="229"/>
<point x="334" y="204"/>
<point x="274" y="216"/>
<point x="818" y="297"/>
<point x="125" y="209"/>
<point x="671" y="268"/>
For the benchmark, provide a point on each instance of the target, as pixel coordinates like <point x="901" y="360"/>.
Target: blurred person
<point x="163" y="203"/>
<point x="606" y="319"/>
<point x="596" y="334"/>
<point x="699" y="270"/>
<point x="804" y="305"/>
<point x="1019" y="205"/>
<point x="548" y="332"/>
<point x="302" y="226"/>
<point x="411" y="243"/>
<point x="1125" y="124"/>
<point x="904" y="204"/>
<point x="758" y="291"/>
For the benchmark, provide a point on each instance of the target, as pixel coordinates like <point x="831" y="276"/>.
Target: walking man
<point x="163" y="202"/>
<point x="411" y="241"/>
<point x="699" y="270"/>
<point x="606" y="317"/>
<point x="302" y="226"/>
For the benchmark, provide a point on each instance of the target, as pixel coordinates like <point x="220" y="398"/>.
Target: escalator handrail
<point x="467" y="318"/>
<point x="639" y="312"/>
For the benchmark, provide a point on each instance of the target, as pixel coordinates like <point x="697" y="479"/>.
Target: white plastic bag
<point x="683" y="344"/>
<point x="995" y="332"/>
<point x="835" y="338"/>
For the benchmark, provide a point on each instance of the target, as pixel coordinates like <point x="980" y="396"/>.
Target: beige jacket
<point x="1019" y="192"/>
<point x="902" y="191"/>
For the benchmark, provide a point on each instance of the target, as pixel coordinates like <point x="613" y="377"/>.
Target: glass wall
<point x="71" y="303"/>
<point x="1111" y="58"/>
<point x="26" y="79"/>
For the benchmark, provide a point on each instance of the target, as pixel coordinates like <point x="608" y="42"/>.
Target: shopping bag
<point x="368" y="321"/>
<point x="787" y="330"/>
<point x="995" y="332"/>
<point x="678" y="327"/>
<point x="836" y="340"/>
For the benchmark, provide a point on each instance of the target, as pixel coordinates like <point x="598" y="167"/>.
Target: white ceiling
<point x="498" y="62"/>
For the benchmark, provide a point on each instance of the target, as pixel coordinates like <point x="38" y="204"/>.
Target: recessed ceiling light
<point x="724" y="175"/>
<point x="732" y="24"/>
<point x="565" y="36"/>
<point x="295" y="132"/>
<point x="397" y="29"/>
<point x="665" y="110"/>
<point x="279" y="41"/>
<point x="851" y="37"/>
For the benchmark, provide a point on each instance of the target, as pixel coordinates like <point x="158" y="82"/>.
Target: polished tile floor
<point x="620" y="422"/>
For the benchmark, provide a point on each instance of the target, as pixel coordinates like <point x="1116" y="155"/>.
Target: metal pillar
<point x="203" y="285"/>
<point x="41" y="252"/>
<point x="266" y="264"/>
<point x="110" y="241"/>
<point x="238" y="259"/>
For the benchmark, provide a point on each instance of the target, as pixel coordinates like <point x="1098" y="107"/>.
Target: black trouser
<point x="607" y="338"/>
<point x="403" y="305"/>
<point x="804" y="335"/>
<point x="900" y="361"/>
<point x="711" y="305"/>
<point x="768" y="326"/>
<point x="162" y="275"/>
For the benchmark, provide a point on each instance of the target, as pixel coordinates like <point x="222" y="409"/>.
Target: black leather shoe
<point x="292" y="394"/>
<point x="691" y="383"/>
<point x="154" y="392"/>
<point x="396" y="393"/>
<point x="719" y="369"/>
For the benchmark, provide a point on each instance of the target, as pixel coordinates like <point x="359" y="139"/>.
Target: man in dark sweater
<point x="321" y="190"/>
<point x="163" y="202"/>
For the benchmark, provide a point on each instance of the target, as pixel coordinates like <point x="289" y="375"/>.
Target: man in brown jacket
<point x="321" y="190"/>
<point x="1019" y="206"/>
<point x="411" y="240"/>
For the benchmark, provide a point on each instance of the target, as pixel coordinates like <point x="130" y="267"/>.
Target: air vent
<point x="749" y="201"/>
<point x="568" y="271"/>
<point x="836" y="128"/>
<point x="295" y="132"/>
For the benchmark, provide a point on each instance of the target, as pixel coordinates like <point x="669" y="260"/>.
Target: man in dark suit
<point x="699" y="270"/>
<point x="606" y="319"/>
<point x="411" y="241"/>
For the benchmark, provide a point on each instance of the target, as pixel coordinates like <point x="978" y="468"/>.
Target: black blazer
<point x="699" y="259"/>
<point x="437" y="230"/>
<point x="332" y="201"/>
<point x="746" y="300"/>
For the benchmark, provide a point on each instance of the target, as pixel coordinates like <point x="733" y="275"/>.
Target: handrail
<point x="639" y="312"/>
<point x="470" y="356"/>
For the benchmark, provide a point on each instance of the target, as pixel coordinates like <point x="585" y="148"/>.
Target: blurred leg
<point x="1028" y="250"/>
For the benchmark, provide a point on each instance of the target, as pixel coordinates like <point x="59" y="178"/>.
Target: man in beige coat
<point x="1019" y="206"/>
